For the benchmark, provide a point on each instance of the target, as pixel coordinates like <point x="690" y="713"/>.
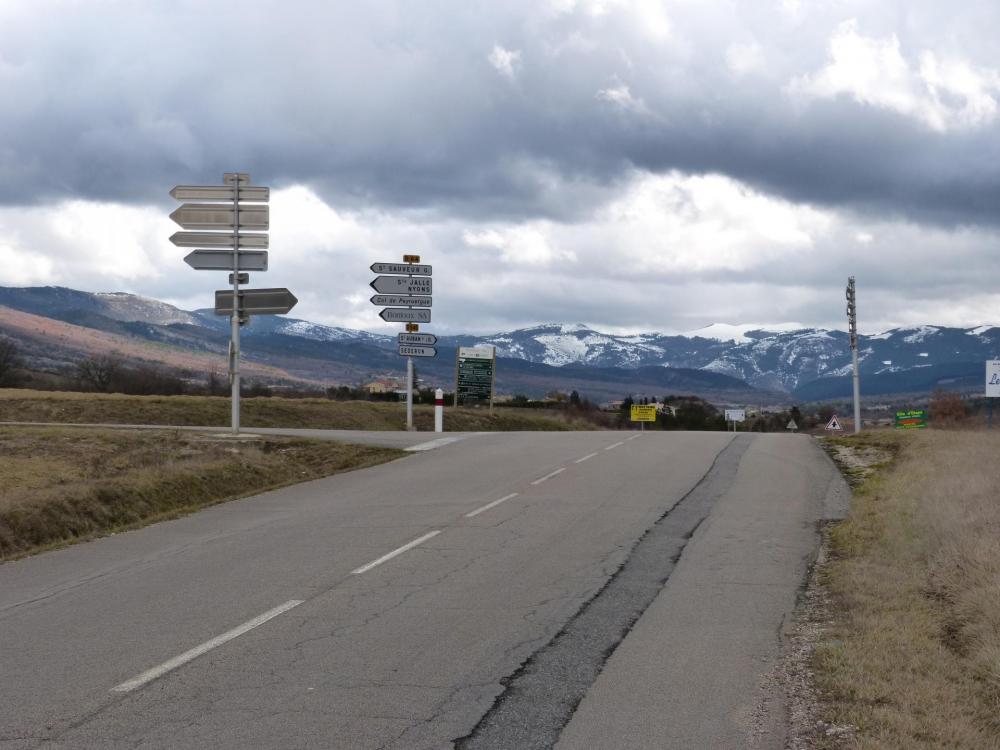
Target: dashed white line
<point x="549" y="476"/>
<point x="581" y="460"/>
<point x="494" y="504"/>
<point x="167" y="666"/>
<point x="635" y="437"/>
<point x="432" y="444"/>
<point x="398" y="551"/>
<point x="615" y="445"/>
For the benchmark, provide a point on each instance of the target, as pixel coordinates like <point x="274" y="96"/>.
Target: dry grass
<point x="18" y="405"/>
<point x="913" y="657"/>
<point x="63" y="485"/>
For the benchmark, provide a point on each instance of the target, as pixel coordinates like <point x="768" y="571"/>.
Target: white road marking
<point x="581" y="460"/>
<point x="549" y="476"/>
<point x="615" y="445"/>
<point x="432" y="444"/>
<point x="635" y="437"/>
<point x="394" y="553"/>
<point x="167" y="666"/>
<point x="494" y="504"/>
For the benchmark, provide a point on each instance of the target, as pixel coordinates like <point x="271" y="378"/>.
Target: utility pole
<point x="852" y="322"/>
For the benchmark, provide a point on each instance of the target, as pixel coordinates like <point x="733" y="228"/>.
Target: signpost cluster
<point x="406" y="290"/>
<point x="232" y="220"/>
<point x="475" y="374"/>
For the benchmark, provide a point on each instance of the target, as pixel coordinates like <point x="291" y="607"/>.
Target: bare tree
<point x="10" y="362"/>
<point x="98" y="373"/>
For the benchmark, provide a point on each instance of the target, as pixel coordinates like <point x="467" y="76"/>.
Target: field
<point x="912" y="657"/>
<point x="19" y="405"/>
<point x="61" y="485"/>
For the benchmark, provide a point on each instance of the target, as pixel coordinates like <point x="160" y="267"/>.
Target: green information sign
<point x="474" y="373"/>
<point x="911" y="419"/>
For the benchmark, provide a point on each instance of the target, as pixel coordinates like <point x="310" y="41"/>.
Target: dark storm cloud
<point x="398" y="105"/>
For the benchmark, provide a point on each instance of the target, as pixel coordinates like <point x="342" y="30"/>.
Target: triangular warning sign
<point x="791" y="425"/>
<point x="834" y="423"/>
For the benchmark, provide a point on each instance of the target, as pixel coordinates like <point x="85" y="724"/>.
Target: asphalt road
<point x="595" y="590"/>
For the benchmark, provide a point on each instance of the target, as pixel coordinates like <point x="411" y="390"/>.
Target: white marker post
<point x="438" y="410"/>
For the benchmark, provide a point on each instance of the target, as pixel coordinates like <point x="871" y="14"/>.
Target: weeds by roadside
<point x="910" y="655"/>
<point x="61" y="485"/>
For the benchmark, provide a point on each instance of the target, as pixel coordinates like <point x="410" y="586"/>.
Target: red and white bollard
<point x="438" y="410"/>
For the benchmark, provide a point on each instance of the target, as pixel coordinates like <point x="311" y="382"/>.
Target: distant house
<point x="382" y="386"/>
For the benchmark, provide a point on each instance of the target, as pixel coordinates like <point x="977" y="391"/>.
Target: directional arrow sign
<point x="401" y="285"/>
<point x="417" y="351"/>
<point x="405" y="315"/>
<point x="219" y="216"/>
<point x="428" y="339"/>
<point x="400" y="299"/>
<point x="255" y="301"/>
<point x="221" y="260"/>
<point x="218" y="239"/>
<point x="220" y="193"/>
<point x="411" y="268"/>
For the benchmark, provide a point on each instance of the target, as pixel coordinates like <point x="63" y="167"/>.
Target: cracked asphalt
<point x="416" y="651"/>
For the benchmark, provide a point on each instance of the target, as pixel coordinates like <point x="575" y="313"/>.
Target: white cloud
<point x="524" y="245"/>
<point x="943" y="93"/>
<point x="506" y="62"/>
<point x="744" y="58"/>
<point x="622" y="97"/>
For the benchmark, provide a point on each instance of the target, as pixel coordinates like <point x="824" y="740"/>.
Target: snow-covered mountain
<point x="781" y="359"/>
<point x="809" y="362"/>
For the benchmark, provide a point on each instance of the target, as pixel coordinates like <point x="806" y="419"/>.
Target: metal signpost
<point x="735" y="415"/>
<point x="992" y="388"/>
<point x="407" y="297"/>
<point x="225" y="210"/>
<point x="643" y="413"/>
<point x="475" y="374"/>
<point x="852" y="321"/>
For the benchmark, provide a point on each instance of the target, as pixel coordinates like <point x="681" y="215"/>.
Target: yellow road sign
<point x="643" y="413"/>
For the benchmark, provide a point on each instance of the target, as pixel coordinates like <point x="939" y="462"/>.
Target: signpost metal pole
<point x="852" y="319"/>
<point x="235" y="318"/>
<point x="409" y="393"/>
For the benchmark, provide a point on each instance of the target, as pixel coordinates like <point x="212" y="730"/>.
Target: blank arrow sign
<point x="255" y="301"/>
<point x="220" y="260"/>
<point x="219" y="239"/>
<point x="219" y="216"/>
<point x="219" y="193"/>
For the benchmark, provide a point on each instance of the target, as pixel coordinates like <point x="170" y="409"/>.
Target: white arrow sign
<point x="428" y="339"/>
<point x="220" y="216"/>
<point x="218" y="239"/>
<point x="400" y="299"/>
<point x="417" y="351"/>
<point x="405" y="315"/>
<point x="401" y="285"/>
<point x="220" y="260"/>
<point x="220" y="193"/>
<point x="407" y="268"/>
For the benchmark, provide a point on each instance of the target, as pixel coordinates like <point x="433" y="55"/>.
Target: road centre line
<point x="634" y="437"/>
<point x="615" y="445"/>
<point x="394" y="553"/>
<point x="494" y="504"/>
<point x="549" y="476"/>
<point x="581" y="460"/>
<point x="171" y="664"/>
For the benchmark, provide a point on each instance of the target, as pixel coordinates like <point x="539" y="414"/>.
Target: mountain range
<point x="56" y="326"/>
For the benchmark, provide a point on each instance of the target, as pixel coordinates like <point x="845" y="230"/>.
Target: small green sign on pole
<point x="911" y="419"/>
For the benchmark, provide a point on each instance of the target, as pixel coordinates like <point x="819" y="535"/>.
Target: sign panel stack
<point x="406" y="288"/>
<point x="221" y="214"/>
<point x="475" y="374"/>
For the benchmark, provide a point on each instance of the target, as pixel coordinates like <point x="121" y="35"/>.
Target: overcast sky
<point x="634" y="165"/>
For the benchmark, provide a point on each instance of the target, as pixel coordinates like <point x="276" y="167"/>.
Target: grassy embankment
<point x="912" y="659"/>
<point x="18" y="405"/>
<point x="62" y="485"/>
